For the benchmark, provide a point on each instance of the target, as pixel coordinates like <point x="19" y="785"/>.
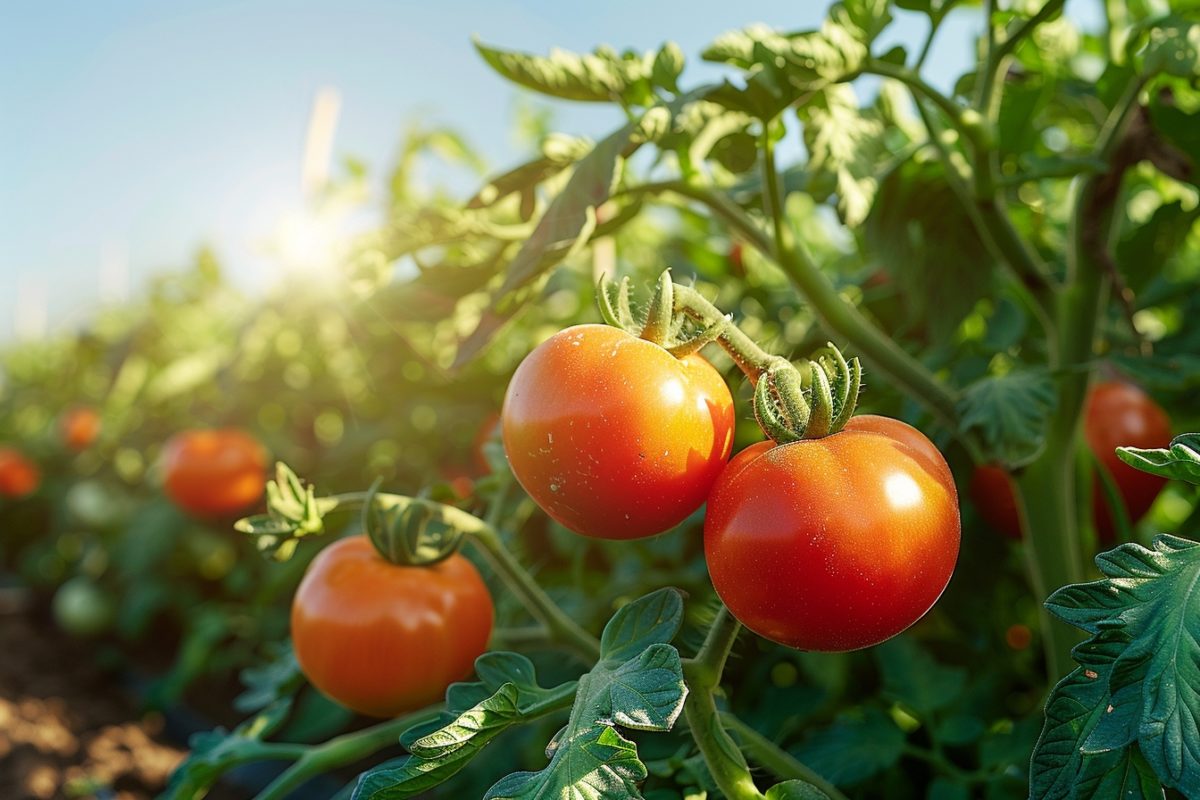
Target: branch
<point x="771" y="756"/>
<point x="1009" y="44"/>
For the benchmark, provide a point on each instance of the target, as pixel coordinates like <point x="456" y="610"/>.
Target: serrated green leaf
<point x="651" y="619"/>
<point x="845" y="143"/>
<point x="1180" y="461"/>
<point x="854" y="748"/>
<point x="602" y="760"/>
<point x="668" y="66"/>
<point x="592" y="77"/>
<point x="913" y="677"/>
<point x="869" y="17"/>
<point x="1010" y="412"/>
<point x="1145" y="652"/>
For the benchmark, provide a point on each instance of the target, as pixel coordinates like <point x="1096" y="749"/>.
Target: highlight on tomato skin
<point x="383" y="639"/>
<point x="214" y="472"/>
<point x="614" y="437"/>
<point x="1116" y="414"/>
<point x="80" y="426"/>
<point x="837" y="543"/>
<point x="19" y="476"/>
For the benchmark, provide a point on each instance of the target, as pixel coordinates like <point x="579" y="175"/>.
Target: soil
<point x="66" y="730"/>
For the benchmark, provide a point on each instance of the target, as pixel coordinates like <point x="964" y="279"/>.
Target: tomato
<point x="1117" y="414"/>
<point x="214" y="473"/>
<point x="612" y="435"/>
<point x="836" y="543"/>
<point x="1120" y="414"/>
<point x="19" y="477"/>
<point x="82" y="608"/>
<point x="383" y="639"/>
<point x="80" y="427"/>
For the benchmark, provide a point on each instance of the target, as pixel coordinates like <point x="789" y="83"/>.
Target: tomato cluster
<point x="835" y="543"/>
<point x="1116" y="414"/>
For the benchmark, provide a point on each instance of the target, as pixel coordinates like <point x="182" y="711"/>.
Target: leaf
<point x="854" y="748"/>
<point x="1140" y="673"/>
<point x="603" y="763"/>
<point x="1172" y="47"/>
<point x="1180" y="461"/>
<point x="845" y="143"/>
<point x="1010" y="411"/>
<point x="911" y="676"/>
<point x="668" y="66"/>
<point x="918" y="230"/>
<point x="651" y="619"/>
<point x="869" y="17"/>
<point x="275" y="680"/>
<point x="594" y="77"/>
<point x="638" y="683"/>
<point x="795" y="790"/>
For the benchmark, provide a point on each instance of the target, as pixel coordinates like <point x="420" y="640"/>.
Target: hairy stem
<point x="771" y="756"/>
<point x="703" y="675"/>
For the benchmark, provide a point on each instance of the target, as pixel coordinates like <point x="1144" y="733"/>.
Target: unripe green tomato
<point x="81" y="608"/>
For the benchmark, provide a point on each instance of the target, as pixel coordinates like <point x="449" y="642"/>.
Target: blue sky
<point x="138" y="131"/>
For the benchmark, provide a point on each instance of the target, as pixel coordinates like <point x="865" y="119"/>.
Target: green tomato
<point x="82" y="608"/>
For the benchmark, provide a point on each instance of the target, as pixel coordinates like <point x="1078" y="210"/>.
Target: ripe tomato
<point x="1117" y="414"/>
<point x="383" y="639"/>
<point x="213" y="473"/>
<point x="612" y="435"/>
<point x="19" y="477"/>
<point x="838" y="543"/>
<point x="80" y="427"/>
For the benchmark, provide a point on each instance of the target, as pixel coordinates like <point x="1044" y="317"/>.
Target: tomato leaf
<point x="1010" y="412"/>
<point x="854" y="748"/>
<point x="1180" y="461"/>
<point x="1127" y="714"/>
<point x="845" y="143"/>
<point x="913" y="677"/>
<point x="638" y="684"/>
<point x="597" y="77"/>
<point x="795" y="790"/>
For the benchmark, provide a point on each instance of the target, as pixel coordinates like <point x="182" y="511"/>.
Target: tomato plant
<point x="612" y="435"/>
<point x="214" y="472"/>
<point x="383" y="638"/>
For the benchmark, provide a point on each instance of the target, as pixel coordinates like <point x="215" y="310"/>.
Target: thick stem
<point x="750" y="358"/>
<point x="774" y="758"/>
<point x="343" y="750"/>
<point x="703" y="674"/>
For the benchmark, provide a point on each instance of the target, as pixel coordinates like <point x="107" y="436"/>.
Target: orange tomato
<point x="214" y="473"/>
<point x="79" y="427"/>
<point x="19" y="477"/>
<point x="384" y="639"/>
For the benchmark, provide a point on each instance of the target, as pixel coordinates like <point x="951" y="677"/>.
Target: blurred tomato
<point x="19" y="477"/>
<point x="79" y="427"/>
<point x="213" y="473"/>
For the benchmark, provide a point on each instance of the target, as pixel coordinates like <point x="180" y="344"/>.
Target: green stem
<point x="703" y="675"/>
<point x="934" y="24"/>
<point x="343" y="750"/>
<point x="987" y="76"/>
<point x="842" y="317"/>
<point x="750" y="358"/>
<point x="1044" y="13"/>
<point x="774" y="758"/>
<point x="521" y="583"/>
<point x="913" y="81"/>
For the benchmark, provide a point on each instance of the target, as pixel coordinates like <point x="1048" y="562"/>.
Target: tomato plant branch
<point x="535" y="598"/>
<point x="1015" y="38"/>
<point x="842" y="317"/>
<point x="703" y="675"/>
<point x="343" y="750"/>
<point x="774" y="758"/>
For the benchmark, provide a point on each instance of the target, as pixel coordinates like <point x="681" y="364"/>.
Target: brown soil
<point x="65" y="730"/>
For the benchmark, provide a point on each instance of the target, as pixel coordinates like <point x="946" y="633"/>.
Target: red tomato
<point x="1117" y="415"/>
<point x="80" y="427"/>
<point x="383" y="639"/>
<point x="834" y="544"/>
<point x="612" y="435"/>
<point x="214" y="473"/>
<point x="19" y="477"/>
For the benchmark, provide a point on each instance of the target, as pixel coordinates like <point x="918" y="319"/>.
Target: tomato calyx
<point x="789" y="408"/>
<point x="659" y="323"/>
<point x="408" y="531"/>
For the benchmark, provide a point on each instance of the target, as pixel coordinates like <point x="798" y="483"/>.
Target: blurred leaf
<point x="854" y="748"/>
<point x="1181" y="461"/>
<point x="1010" y="412"/>
<point x="913" y="677"/>
<point x="214" y="752"/>
<point x="845" y="143"/>
<point x="795" y="790"/>
<point x="279" y="678"/>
